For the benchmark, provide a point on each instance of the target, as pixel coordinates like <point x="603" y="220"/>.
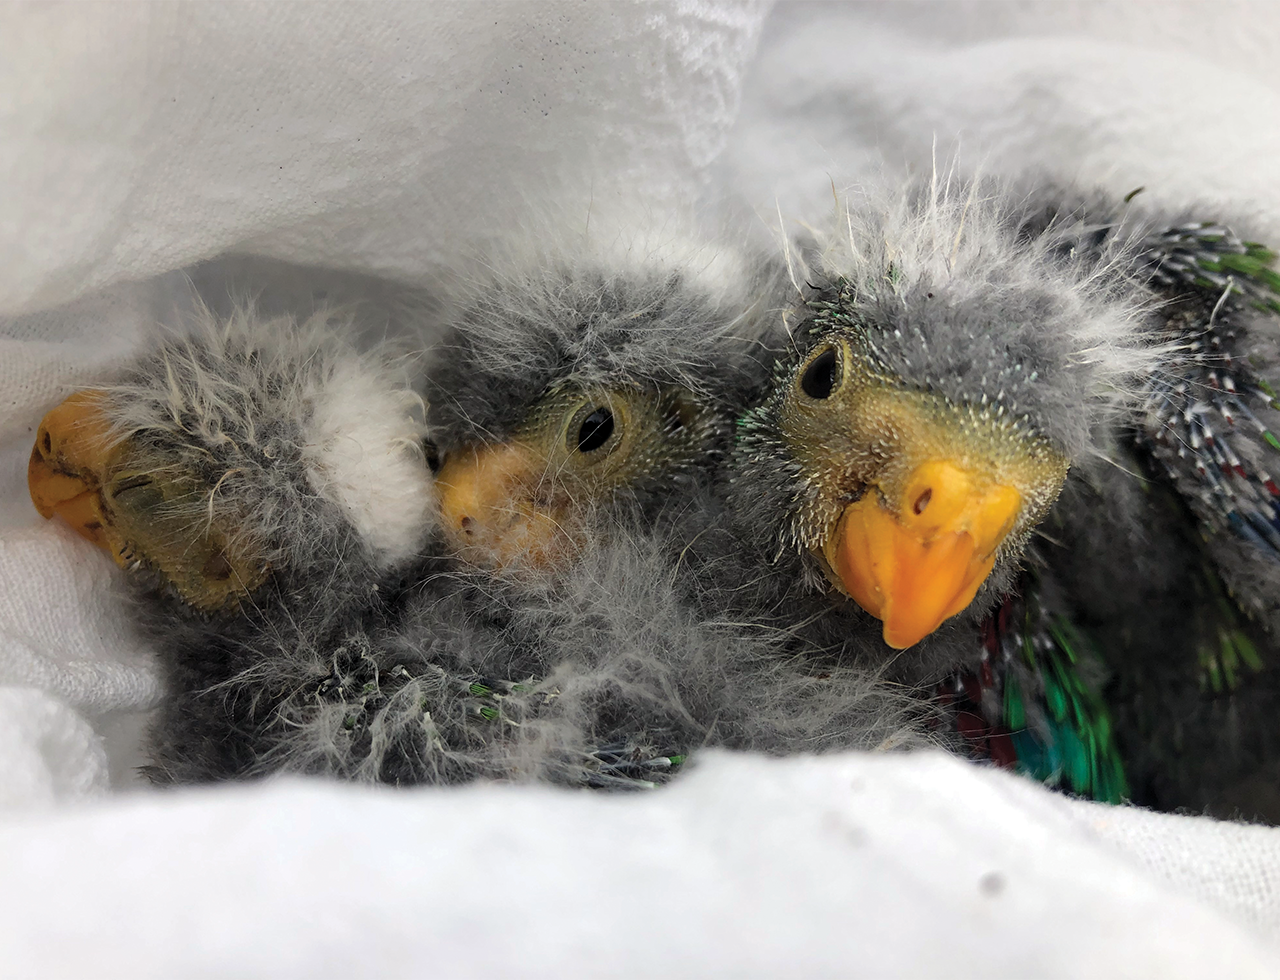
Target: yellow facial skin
<point x="916" y="497"/>
<point x="106" y="490"/>
<point x="522" y="503"/>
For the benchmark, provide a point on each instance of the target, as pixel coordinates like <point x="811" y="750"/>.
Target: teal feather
<point x="1048" y="708"/>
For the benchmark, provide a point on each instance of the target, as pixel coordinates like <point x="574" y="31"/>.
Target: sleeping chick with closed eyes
<point x="322" y="604"/>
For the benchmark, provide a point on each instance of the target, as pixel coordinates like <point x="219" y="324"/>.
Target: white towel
<point x="850" y="866"/>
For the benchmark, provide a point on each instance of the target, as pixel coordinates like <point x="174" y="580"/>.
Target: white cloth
<point x="851" y="866"/>
<point x="137" y="140"/>
<point x="1182" y="99"/>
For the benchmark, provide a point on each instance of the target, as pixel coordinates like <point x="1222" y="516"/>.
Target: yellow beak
<point x="496" y="510"/>
<point x="74" y="457"/>
<point x="917" y="561"/>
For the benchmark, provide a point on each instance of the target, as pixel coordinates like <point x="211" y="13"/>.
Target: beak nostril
<point x="217" y="568"/>
<point x="46" y="443"/>
<point x="922" y="501"/>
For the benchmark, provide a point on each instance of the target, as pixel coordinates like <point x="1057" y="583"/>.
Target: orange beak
<point x="496" y="511"/>
<point x="71" y="453"/>
<point x="917" y="564"/>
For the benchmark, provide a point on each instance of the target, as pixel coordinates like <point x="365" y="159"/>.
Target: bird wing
<point x="1199" y="418"/>
<point x="1208" y="416"/>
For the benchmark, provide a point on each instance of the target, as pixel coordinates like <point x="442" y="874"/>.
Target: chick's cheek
<point x="525" y="504"/>
<point x="499" y="508"/>
<point x="525" y="536"/>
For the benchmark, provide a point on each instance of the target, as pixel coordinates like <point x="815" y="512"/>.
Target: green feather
<point x="1199" y="250"/>
<point x="1077" y="748"/>
<point x="1015" y="712"/>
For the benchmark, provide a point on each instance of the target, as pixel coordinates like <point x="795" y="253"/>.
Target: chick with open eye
<point x="971" y="365"/>
<point x="323" y="603"/>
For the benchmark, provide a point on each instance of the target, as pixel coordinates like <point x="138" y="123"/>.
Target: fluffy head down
<point x="277" y="432"/>
<point x="641" y="309"/>
<point x="363" y="444"/>
<point x="604" y="677"/>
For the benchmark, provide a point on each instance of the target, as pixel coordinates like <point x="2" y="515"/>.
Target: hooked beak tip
<point x="917" y="570"/>
<point x="69" y="497"/>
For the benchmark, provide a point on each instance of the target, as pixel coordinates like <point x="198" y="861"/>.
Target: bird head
<point x="526" y="499"/>
<point x="573" y="392"/>
<point x="240" y="450"/>
<point x="946" y="368"/>
<point x="134" y="498"/>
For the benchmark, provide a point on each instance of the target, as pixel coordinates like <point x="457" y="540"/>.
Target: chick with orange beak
<point x="951" y="355"/>
<point x="911" y="499"/>
<point x="587" y="398"/>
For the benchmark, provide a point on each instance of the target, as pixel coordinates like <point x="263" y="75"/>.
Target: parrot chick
<point x="962" y="342"/>
<point x="514" y="617"/>
<point x="948" y="362"/>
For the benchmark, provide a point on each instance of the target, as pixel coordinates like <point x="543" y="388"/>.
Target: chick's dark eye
<point x="595" y="430"/>
<point x="822" y="375"/>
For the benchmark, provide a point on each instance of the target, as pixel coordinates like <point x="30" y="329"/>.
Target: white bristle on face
<point x="981" y="295"/>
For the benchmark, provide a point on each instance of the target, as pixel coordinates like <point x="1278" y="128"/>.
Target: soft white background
<point x="136" y="140"/>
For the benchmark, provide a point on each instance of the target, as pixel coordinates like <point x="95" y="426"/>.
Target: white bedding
<point x="138" y="140"/>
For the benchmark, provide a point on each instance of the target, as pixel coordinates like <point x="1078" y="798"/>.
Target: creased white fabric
<point x="140" y="138"/>
<point x="1180" y="98"/>
<point x="136" y="140"/>
<point x="52" y="755"/>
<point x="1232" y="866"/>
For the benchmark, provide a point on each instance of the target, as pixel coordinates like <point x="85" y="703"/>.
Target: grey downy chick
<point x="267" y="487"/>
<point x="262" y="482"/>
<point x="974" y="338"/>
<point x="943" y="371"/>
